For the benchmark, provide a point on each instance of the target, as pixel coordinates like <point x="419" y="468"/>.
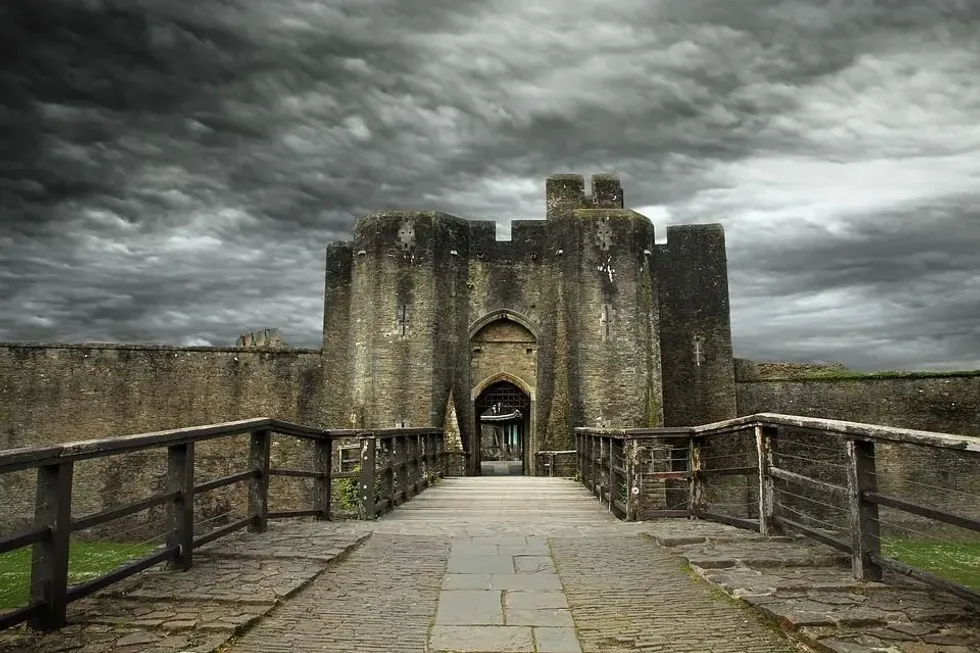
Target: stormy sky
<point x="172" y="171"/>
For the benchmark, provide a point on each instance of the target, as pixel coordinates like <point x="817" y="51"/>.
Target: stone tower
<point x="579" y="319"/>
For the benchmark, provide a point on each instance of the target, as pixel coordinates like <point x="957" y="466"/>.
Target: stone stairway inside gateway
<point x="515" y="564"/>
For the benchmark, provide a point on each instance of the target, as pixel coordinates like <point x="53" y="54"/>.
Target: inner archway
<point x="503" y="424"/>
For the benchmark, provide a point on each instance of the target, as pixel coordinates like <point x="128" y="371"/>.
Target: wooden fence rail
<point x="631" y="469"/>
<point x="396" y="466"/>
<point x="420" y="459"/>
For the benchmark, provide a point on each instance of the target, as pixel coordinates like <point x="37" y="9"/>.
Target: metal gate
<point x="503" y="413"/>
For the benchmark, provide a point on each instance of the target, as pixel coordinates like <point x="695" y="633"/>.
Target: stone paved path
<point x="507" y="565"/>
<point x="382" y="598"/>
<point x="470" y="567"/>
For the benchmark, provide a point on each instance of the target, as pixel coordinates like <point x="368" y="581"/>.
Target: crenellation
<point x="607" y="192"/>
<point x="564" y="193"/>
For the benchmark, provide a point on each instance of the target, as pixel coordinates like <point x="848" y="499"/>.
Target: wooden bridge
<point x="702" y="539"/>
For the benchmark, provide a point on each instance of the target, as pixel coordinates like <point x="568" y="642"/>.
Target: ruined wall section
<point x="337" y="357"/>
<point x="695" y="326"/>
<point x="64" y="393"/>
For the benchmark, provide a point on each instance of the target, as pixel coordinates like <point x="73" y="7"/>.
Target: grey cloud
<point x="132" y="126"/>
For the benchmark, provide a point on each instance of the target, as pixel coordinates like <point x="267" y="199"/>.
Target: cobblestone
<point x="627" y="594"/>
<point x="811" y="592"/>
<point x="230" y="587"/>
<point x="382" y="598"/>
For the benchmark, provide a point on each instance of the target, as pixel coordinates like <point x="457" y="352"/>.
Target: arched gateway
<point x="504" y="365"/>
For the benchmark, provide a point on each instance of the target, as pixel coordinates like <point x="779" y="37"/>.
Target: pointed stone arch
<point x="504" y="314"/>
<point x="502" y="376"/>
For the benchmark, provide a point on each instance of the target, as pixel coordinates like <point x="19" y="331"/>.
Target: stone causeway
<point x="510" y="565"/>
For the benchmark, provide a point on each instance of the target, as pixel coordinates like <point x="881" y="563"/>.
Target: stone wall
<point x="560" y="464"/>
<point x="695" y="326"/>
<point x="504" y="347"/>
<point x="950" y="404"/>
<point x="62" y="393"/>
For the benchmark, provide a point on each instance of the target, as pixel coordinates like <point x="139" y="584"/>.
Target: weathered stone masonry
<point x="413" y="304"/>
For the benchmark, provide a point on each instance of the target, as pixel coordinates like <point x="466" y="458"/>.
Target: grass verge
<point x="86" y="560"/>
<point x="955" y="561"/>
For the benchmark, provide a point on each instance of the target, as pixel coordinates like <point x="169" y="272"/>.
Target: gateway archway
<point x="503" y="425"/>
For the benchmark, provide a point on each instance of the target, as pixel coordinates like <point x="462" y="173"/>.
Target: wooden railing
<point x="419" y="452"/>
<point x="396" y="465"/>
<point x="825" y="479"/>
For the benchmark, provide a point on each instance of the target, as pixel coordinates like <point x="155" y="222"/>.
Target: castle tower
<point x="579" y="319"/>
<point x="602" y="255"/>
<point x="407" y="312"/>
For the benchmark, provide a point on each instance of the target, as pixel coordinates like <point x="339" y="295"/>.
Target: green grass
<point x="955" y="561"/>
<point x="87" y="560"/>
<point x="854" y="375"/>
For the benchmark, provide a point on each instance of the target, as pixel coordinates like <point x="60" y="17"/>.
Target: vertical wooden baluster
<point x="865" y="533"/>
<point x="322" y="488"/>
<point x="258" y="486"/>
<point x="368" y="456"/>
<point x="764" y="437"/>
<point x="180" y="515"/>
<point x="49" y="565"/>
<point x="696" y="497"/>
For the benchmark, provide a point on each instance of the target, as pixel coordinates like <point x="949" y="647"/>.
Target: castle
<point x="579" y="319"/>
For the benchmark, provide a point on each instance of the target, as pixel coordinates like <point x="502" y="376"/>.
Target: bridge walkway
<point x="505" y="565"/>
<point x="508" y="564"/>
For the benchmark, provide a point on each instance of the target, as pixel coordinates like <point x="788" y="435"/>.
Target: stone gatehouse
<point x="579" y="319"/>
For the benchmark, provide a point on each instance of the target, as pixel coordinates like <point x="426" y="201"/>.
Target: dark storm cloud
<point x="171" y="171"/>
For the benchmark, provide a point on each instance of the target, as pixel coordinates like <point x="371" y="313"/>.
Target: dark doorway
<point x="503" y="419"/>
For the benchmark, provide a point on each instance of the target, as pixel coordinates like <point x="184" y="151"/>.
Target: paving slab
<point x="556" y="640"/>
<point x="543" y="582"/>
<point x="470" y="608"/>
<point x="481" y="639"/>
<point x="219" y="578"/>
<point x="560" y="617"/>
<point x="533" y="564"/>
<point x="534" y="600"/>
<point x="480" y="564"/>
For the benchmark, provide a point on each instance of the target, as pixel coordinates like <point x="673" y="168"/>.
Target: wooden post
<point x="629" y="458"/>
<point x="403" y="457"/>
<point x="436" y="461"/>
<point x="323" y="460"/>
<point x="696" y="495"/>
<point x="596" y="484"/>
<point x="180" y="516"/>
<point x="49" y="566"/>
<point x="764" y="436"/>
<point x="865" y="534"/>
<point x="611" y="476"/>
<point x="258" y="485"/>
<point x="369" y="446"/>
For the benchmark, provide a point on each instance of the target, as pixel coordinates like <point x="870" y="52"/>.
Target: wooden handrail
<point x="859" y="498"/>
<point x="53" y="523"/>
<point x="829" y="426"/>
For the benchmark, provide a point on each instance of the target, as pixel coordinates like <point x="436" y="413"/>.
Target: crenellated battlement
<point x="565" y="193"/>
